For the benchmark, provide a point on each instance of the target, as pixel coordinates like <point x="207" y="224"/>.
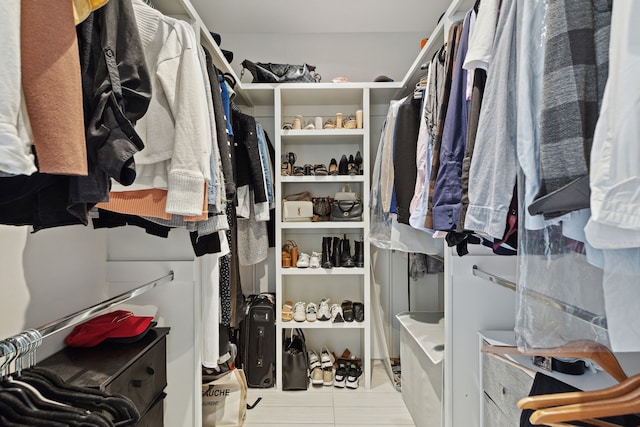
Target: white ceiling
<point x="321" y="16"/>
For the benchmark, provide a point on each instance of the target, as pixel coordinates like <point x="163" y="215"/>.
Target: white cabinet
<point x="319" y="146"/>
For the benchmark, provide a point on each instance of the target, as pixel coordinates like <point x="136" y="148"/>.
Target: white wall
<point x="335" y="54"/>
<point x="47" y="275"/>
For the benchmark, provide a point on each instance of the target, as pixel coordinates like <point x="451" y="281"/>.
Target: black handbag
<point x="280" y="73"/>
<point x="295" y="362"/>
<point x="346" y="210"/>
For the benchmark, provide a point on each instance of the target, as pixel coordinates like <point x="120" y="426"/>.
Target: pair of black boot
<point x="336" y="252"/>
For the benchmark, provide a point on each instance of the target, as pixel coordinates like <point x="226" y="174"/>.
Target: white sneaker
<point x="317" y="376"/>
<point x="326" y="358"/>
<point x="327" y="377"/>
<point x="324" y="313"/>
<point x="312" y="312"/>
<point x="303" y="260"/>
<point x="314" y="261"/>
<point x="314" y="360"/>
<point x="336" y="314"/>
<point x="299" y="312"/>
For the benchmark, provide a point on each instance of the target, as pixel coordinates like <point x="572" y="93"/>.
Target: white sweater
<point x="176" y="129"/>
<point x="15" y="137"/>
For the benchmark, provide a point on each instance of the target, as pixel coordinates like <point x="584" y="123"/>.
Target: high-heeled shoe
<point x="351" y="166"/>
<point x="343" y="168"/>
<point x="358" y="162"/>
<point x="333" y="167"/>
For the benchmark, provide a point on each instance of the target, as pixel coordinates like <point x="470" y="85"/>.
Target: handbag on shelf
<point x="346" y="210"/>
<point x="346" y="194"/>
<point x="297" y="207"/>
<point x="322" y="208"/>
<point x="295" y="362"/>
<point x="224" y="400"/>
<point x="280" y="73"/>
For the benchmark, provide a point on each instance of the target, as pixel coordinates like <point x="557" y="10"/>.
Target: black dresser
<point x="137" y="370"/>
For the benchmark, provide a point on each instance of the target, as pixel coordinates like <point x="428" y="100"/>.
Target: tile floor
<point x="382" y="405"/>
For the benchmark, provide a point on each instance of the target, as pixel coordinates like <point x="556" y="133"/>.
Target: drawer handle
<point x="143" y="383"/>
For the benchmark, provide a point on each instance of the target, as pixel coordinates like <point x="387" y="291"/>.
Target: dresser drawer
<point x="136" y="370"/>
<point x="145" y="379"/>
<point x="504" y="384"/>
<point x="154" y="416"/>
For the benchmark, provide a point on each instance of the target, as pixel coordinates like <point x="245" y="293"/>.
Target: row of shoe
<point x="327" y="370"/>
<point x="351" y="166"/>
<point x="336" y="252"/>
<point x="347" y="311"/>
<point x="339" y="122"/>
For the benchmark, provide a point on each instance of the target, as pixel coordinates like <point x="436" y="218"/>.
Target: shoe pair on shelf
<point x="287" y="164"/>
<point x="348" y="166"/>
<point x="352" y="311"/>
<point x="310" y="261"/>
<point x="336" y="252"/>
<point x="347" y="374"/>
<point x="299" y="311"/>
<point x="310" y="170"/>
<point x="321" y="367"/>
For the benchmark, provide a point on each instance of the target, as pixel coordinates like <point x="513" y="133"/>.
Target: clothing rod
<point x="587" y="316"/>
<point x="79" y="316"/>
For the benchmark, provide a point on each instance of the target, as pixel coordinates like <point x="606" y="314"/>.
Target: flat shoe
<point x="329" y="124"/>
<point x="287" y="311"/>
<point x="298" y="171"/>
<point x="320" y="170"/>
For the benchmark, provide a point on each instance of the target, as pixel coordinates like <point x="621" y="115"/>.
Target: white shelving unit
<point x="319" y="147"/>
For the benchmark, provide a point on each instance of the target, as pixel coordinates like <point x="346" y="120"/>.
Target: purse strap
<point x="353" y="205"/>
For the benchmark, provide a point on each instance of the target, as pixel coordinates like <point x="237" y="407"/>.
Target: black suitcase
<point x="259" y="341"/>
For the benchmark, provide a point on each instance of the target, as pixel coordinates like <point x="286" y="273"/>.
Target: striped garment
<point x="575" y="72"/>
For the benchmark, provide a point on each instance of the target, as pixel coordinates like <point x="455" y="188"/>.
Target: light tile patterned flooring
<point x="382" y="405"/>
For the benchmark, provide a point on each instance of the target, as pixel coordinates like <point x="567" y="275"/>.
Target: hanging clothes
<point x="177" y="127"/>
<point x="15" y="138"/>
<point x="447" y="192"/>
<point x="576" y="62"/>
<point x="492" y="174"/>
<point x="52" y="87"/>
<point x="452" y="44"/>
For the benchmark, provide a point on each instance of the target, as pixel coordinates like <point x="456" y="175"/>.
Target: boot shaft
<point x="336" y="252"/>
<point x="326" y="253"/>
<point x="345" y="257"/>
<point x="358" y="256"/>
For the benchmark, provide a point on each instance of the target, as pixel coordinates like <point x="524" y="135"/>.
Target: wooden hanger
<point x="626" y="404"/>
<point x="574" y="397"/>
<point x="582" y="349"/>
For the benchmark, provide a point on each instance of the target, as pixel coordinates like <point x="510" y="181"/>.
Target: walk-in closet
<point x="337" y="214"/>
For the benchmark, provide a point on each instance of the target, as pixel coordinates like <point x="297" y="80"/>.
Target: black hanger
<point x="121" y="410"/>
<point x="16" y="410"/>
<point x="476" y="6"/>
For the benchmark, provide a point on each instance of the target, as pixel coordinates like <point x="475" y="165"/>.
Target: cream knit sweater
<point x="176" y="129"/>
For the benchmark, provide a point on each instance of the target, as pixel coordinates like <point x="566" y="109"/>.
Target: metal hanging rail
<point x="580" y="313"/>
<point x="82" y="315"/>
